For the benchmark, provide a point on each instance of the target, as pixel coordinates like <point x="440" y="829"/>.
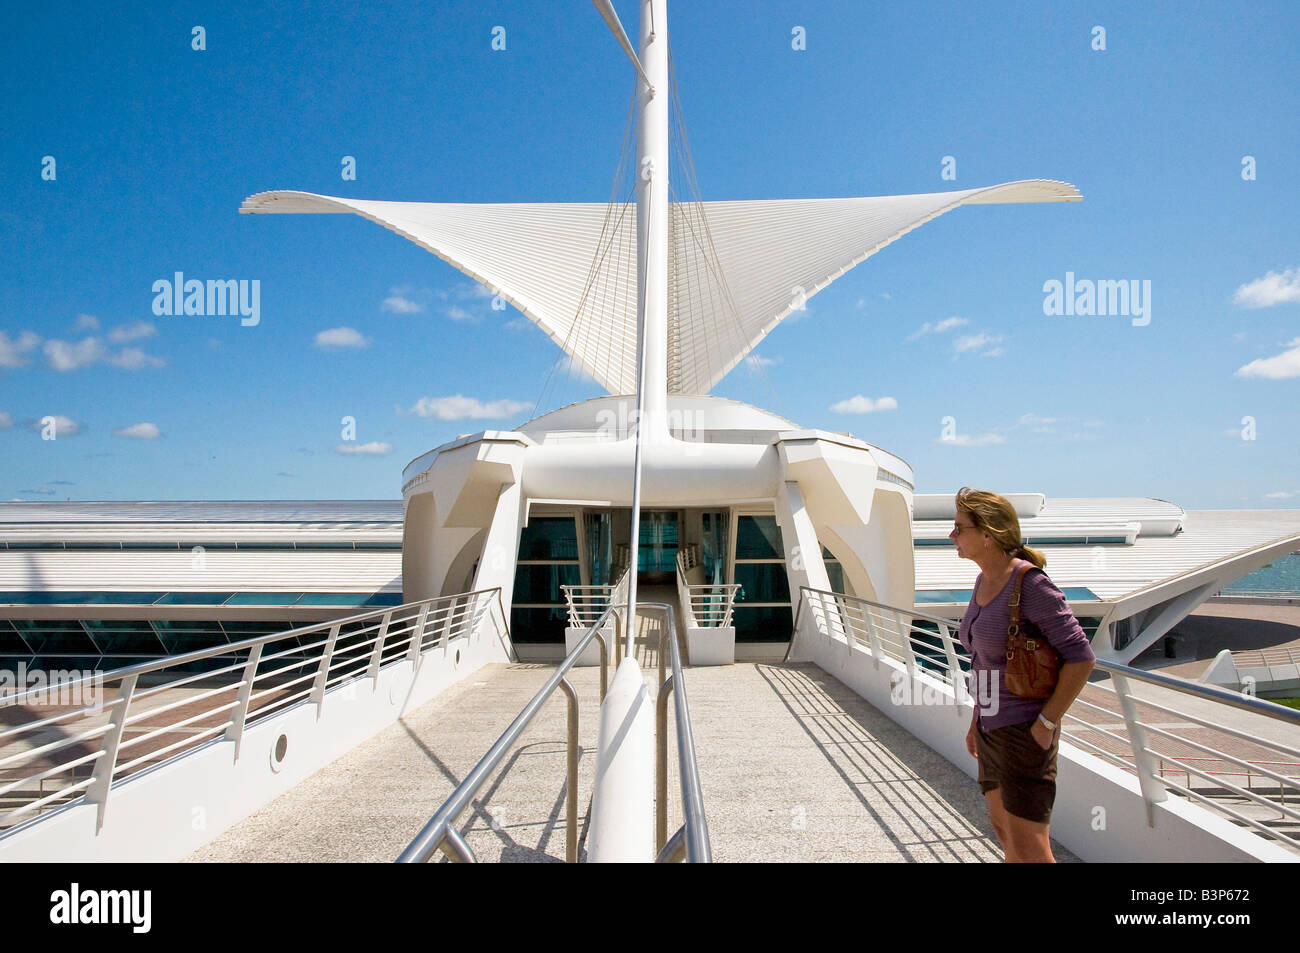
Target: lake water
<point x="1282" y="576"/>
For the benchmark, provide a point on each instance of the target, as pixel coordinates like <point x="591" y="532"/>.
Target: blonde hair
<point x="995" y="515"/>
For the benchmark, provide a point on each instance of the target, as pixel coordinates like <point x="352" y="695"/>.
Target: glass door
<point x="658" y="543"/>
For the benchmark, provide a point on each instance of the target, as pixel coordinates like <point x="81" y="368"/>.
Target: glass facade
<point x="658" y="541"/>
<point x="763" y="612"/>
<point x="113" y="643"/>
<point x="548" y="559"/>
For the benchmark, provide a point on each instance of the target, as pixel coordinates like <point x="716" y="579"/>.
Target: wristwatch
<point x="1050" y="725"/>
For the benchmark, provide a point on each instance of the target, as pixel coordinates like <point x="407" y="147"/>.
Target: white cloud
<point x="976" y="342"/>
<point x="132" y="332"/>
<point x="995" y="352"/>
<point x="457" y="313"/>
<point x="142" y="431"/>
<point x="68" y="356"/>
<point x="1278" y="367"/>
<point x="864" y="405"/>
<point x="132" y="359"/>
<point x="938" y="327"/>
<point x="341" y="338"/>
<point x="401" y="304"/>
<point x="1040" y="424"/>
<point x="374" y="447"/>
<point x="63" y="426"/>
<point x="757" y="360"/>
<point x="6" y="420"/>
<point x="1279" y="495"/>
<point x="975" y="440"/>
<point x="1270" y="290"/>
<point x="460" y="407"/>
<point x="87" y="322"/>
<point x="13" y="352"/>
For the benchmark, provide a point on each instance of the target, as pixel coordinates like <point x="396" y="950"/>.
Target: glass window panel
<point x="384" y="599"/>
<point x="333" y="598"/>
<point x="194" y="598"/>
<point x="836" y="573"/>
<point x="713" y="546"/>
<point x="657" y="551"/>
<point x="758" y="537"/>
<point x="11" y="643"/>
<point x="237" y="631"/>
<point x="56" y="636"/>
<point x="64" y="663"/>
<point x="396" y="545"/>
<point x="186" y="635"/>
<point x="541" y="584"/>
<point x="532" y="626"/>
<point x="264" y="598"/>
<point x="125" y="598"/>
<point x="549" y="537"/>
<point x="763" y="623"/>
<point x="46" y="598"/>
<point x="124" y="637"/>
<point x="762" y="582"/>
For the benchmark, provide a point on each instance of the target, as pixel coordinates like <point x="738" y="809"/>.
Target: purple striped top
<point x="983" y="633"/>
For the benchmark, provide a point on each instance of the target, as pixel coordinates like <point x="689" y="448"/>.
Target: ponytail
<point x="1033" y="555"/>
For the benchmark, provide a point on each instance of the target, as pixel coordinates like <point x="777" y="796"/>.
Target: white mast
<point x="652" y="269"/>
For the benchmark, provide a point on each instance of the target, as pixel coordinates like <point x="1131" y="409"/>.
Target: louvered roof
<point x="736" y="269"/>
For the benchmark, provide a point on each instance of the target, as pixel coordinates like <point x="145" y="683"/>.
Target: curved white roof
<point x="733" y="272"/>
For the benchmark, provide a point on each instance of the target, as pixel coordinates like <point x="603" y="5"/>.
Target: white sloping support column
<point x="622" y="801"/>
<point x="497" y="566"/>
<point x="803" y="555"/>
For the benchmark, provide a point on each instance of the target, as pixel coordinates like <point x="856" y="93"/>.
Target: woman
<point x="1014" y="738"/>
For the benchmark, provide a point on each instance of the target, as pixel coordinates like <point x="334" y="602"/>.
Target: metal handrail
<point x="171" y="661"/>
<point x="1259" y="706"/>
<point x="691" y="842"/>
<point x="439" y="833"/>
<point x="860" y="627"/>
<point x="721" y="594"/>
<point x="328" y="661"/>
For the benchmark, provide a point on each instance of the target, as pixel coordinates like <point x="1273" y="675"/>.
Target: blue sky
<point x="155" y="144"/>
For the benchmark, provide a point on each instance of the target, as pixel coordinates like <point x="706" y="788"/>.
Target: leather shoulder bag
<point x="1033" y="666"/>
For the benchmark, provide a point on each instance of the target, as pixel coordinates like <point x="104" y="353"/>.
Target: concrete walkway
<point x="794" y="767"/>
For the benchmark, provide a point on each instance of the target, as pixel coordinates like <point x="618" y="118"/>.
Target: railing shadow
<point x="924" y="812"/>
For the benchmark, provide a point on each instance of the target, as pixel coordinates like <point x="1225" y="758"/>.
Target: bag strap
<point x="1014" y="628"/>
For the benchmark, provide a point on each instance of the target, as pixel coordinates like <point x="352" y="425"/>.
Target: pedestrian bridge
<point x="340" y="742"/>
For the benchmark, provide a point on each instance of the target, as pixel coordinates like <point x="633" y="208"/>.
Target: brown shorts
<point x="1010" y="759"/>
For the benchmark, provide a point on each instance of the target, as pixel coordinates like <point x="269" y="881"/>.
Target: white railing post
<point x="417" y="634"/>
<point x="102" y="776"/>
<point x="959" y="687"/>
<point x="239" y="715"/>
<point x="1153" y="788"/>
<point x="457" y="611"/>
<point x="873" y="636"/>
<point x="372" y="670"/>
<point x="322" y="674"/>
